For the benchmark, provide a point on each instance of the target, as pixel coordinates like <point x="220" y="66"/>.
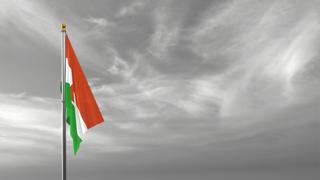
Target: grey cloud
<point x="98" y="21"/>
<point x="130" y="9"/>
<point x="188" y="89"/>
<point x="29" y="127"/>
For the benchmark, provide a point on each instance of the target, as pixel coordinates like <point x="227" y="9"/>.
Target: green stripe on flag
<point x="71" y="119"/>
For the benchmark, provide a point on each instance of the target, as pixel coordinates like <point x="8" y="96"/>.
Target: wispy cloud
<point x="231" y="84"/>
<point x="32" y="18"/>
<point x="262" y="64"/>
<point x="165" y="34"/>
<point x="28" y="122"/>
<point x="130" y="9"/>
<point x="31" y="127"/>
<point x="100" y="22"/>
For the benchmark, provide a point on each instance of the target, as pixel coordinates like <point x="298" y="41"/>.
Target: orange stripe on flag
<point x="84" y="98"/>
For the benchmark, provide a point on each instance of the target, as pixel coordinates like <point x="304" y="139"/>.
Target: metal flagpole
<point x="63" y="81"/>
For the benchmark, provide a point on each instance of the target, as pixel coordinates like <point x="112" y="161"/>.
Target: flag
<point x="82" y="111"/>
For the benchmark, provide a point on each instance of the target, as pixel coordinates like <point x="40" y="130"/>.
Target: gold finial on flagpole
<point x="63" y="27"/>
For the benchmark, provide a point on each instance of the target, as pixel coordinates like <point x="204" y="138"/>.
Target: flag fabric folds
<point x="82" y="111"/>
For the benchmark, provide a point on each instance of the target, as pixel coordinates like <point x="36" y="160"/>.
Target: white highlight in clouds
<point x="287" y="63"/>
<point x="165" y="34"/>
<point x="32" y="18"/>
<point x="28" y="122"/>
<point x="119" y="66"/>
<point x="131" y="9"/>
<point x="100" y="22"/>
<point x="31" y="128"/>
<point x="264" y="52"/>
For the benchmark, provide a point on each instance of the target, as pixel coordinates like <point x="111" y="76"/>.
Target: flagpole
<point x="63" y="81"/>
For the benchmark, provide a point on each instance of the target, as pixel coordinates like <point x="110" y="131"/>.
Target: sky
<point x="192" y="90"/>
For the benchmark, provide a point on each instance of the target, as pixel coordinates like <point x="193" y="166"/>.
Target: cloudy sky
<point x="189" y="89"/>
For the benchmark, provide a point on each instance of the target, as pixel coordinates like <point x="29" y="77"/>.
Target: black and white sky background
<point x="189" y="89"/>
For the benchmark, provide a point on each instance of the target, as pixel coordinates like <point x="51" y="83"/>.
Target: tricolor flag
<point x="82" y="111"/>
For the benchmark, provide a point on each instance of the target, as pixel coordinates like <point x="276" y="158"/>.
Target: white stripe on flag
<point x="81" y="126"/>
